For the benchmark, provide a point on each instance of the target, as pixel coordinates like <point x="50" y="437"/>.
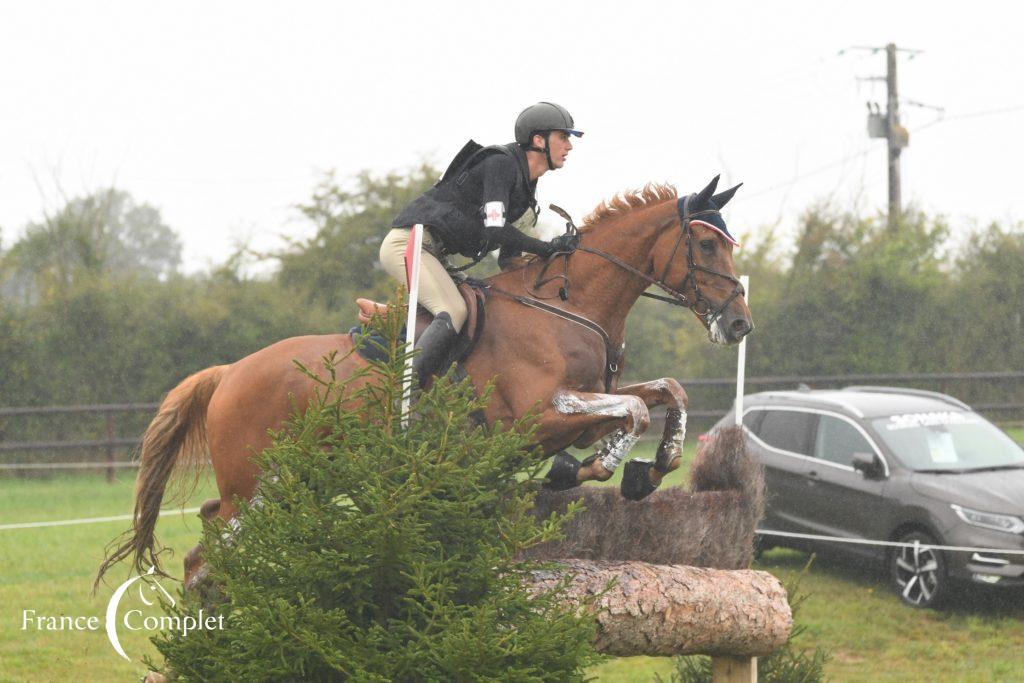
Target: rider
<point x="471" y="211"/>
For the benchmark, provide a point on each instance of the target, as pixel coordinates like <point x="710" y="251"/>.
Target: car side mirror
<point x="868" y="465"/>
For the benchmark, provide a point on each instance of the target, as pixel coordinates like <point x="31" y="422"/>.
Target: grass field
<point x="51" y="570"/>
<point x="851" y="611"/>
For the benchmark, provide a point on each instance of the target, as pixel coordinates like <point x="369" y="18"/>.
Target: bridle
<point x="613" y="353"/>
<point x="700" y="304"/>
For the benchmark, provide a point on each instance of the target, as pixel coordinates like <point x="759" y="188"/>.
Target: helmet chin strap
<point x="546" y="149"/>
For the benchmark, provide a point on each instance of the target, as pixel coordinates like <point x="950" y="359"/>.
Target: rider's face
<point x="561" y="143"/>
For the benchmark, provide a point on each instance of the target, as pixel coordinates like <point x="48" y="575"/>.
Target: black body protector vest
<point x="462" y="209"/>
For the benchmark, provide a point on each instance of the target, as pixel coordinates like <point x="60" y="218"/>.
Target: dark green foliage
<point x="788" y="664"/>
<point x="91" y="292"/>
<point x="985" y="304"/>
<point x="379" y="554"/>
<point x="340" y="262"/>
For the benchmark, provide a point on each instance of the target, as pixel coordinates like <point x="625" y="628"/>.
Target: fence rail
<point x="113" y="444"/>
<point x="66" y="410"/>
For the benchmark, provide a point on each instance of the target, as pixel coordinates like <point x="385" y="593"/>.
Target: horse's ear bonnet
<point x="701" y="200"/>
<point x="706" y="200"/>
<point x="722" y="198"/>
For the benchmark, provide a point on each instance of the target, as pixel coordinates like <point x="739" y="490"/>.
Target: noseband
<point x="700" y="304"/>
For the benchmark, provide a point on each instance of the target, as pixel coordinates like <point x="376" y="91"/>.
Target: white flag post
<point x="412" y="274"/>
<point x="741" y="364"/>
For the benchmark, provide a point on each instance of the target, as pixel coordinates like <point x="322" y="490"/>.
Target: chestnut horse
<point x="540" y="350"/>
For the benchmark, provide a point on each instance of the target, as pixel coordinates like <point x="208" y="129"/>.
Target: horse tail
<point x="174" y="443"/>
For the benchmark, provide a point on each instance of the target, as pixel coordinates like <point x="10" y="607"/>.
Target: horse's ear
<point x="722" y="198"/>
<point x="702" y="198"/>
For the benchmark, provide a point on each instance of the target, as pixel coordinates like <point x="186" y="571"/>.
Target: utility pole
<point x="888" y="126"/>
<point x="896" y="144"/>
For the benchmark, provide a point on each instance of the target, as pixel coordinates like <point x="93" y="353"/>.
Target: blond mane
<point x="624" y="202"/>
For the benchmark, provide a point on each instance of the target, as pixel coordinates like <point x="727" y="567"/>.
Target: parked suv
<point x="892" y="464"/>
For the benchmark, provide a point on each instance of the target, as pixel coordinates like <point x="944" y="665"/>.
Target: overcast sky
<point x="225" y="115"/>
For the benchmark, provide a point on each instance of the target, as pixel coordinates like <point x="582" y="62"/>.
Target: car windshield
<point x="952" y="441"/>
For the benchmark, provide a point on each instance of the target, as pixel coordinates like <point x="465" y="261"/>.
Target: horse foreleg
<point x="664" y="392"/>
<point x="625" y="416"/>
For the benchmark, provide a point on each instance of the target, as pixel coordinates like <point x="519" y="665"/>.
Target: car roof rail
<point x="799" y="394"/>
<point x="946" y="398"/>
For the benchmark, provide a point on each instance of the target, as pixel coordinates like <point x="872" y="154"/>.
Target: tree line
<point x="94" y="306"/>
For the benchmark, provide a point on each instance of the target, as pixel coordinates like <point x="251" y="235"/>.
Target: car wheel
<point x="919" y="572"/>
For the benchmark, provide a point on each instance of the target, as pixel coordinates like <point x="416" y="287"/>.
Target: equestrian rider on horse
<point x="475" y="208"/>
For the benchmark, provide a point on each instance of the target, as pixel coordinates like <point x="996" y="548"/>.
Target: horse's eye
<point x="707" y="246"/>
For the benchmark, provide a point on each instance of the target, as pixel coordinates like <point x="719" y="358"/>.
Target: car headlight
<point x="988" y="520"/>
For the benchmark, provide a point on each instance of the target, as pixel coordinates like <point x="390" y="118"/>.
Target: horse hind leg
<point x="194" y="565"/>
<point x="210" y="508"/>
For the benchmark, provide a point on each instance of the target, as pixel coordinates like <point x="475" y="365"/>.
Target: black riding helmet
<point x="543" y="117"/>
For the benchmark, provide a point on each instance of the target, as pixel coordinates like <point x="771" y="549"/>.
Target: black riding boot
<point x="433" y="347"/>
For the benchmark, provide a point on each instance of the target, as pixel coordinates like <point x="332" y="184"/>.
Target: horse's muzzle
<point x="728" y="331"/>
<point x="740" y="328"/>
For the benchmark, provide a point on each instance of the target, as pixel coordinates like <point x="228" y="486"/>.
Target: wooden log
<point x="667" y="610"/>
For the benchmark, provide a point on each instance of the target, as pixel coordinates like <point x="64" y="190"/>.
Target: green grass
<point x="51" y="570"/>
<point x="873" y="636"/>
<point x="851" y="610"/>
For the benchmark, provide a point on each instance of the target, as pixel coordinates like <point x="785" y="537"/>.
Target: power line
<point x="871" y="148"/>
<point x="820" y="169"/>
<point x="971" y="115"/>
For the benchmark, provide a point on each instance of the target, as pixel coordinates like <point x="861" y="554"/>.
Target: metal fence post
<point x="110" y="447"/>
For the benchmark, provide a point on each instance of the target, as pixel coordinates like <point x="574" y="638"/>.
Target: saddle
<point x="474" y="294"/>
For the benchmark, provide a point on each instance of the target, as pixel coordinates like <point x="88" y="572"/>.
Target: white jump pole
<point x="412" y="275"/>
<point x="741" y="363"/>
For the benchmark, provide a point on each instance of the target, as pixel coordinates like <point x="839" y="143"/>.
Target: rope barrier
<point x="762" y="532"/>
<point x="89" y="520"/>
<point x="892" y="544"/>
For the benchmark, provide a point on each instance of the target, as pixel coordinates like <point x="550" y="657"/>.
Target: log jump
<point x="676" y="563"/>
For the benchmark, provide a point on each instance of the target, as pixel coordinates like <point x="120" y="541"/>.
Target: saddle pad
<point x="372" y="345"/>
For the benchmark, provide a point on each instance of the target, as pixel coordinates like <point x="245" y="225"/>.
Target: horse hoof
<point x="636" y="479"/>
<point x="562" y="474"/>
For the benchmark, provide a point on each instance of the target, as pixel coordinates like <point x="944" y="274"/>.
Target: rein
<point x="700" y="305"/>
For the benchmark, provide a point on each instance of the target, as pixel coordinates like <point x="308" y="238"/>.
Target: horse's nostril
<point x="740" y="328"/>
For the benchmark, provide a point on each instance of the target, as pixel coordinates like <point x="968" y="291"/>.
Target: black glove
<point x="565" y="243"/>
